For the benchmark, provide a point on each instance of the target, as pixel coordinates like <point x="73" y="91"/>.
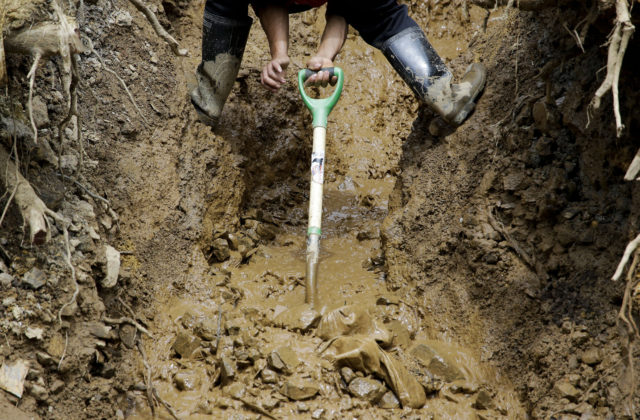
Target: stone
<point x="298" y="318"/>
<point x="40" y="112"/>
<point x="347" y="374"/>
<point x="283" y="359"/>
<point x="39" y="392"/>
<point x="12" y="377"/>
<point x="221" y="249"/>
<point x="593" y="356"/>
<point x="186" y="380"/>
<point x="57" y="386"/>
<point x="5" y="280"/>
<point x="269" y="376"/>
<point x="483" y="401"/>
<point x="389" y="401"/>
<point x="100" y="330"/>
<point x="317" y="414"/>
<point x="207" y="329"/>
<point x="227" y="369"/>
<point x="436" y="364"/>
<point x="127" y="334"/>
<point x="302" y="407"/>
<point x="566" y="390"/>
<point x="34" y="278"/>
<point x="111" y="268"/>
<point x="299" y="389"/>
<point x="463" y="387"/>
<point x="266" y="232"/>
<point x="69" y="163"/>
<point x="34" y="333"/>
<point x="185" y="344"/>
<point x="367" y="389"/>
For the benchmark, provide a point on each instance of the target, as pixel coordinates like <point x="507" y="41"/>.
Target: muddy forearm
<point x="333" y="37"/>
<point x="275" y="22"/>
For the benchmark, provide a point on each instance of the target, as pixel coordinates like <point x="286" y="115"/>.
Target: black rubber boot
<point x="223" y="42"/>
<point x="420" y="66"/>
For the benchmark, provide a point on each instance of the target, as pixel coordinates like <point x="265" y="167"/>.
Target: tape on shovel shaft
<point x="314" y="231"/>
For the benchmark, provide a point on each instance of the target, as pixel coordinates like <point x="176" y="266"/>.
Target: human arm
<point x="333" y="37"/>
<point x="275" y="22"/>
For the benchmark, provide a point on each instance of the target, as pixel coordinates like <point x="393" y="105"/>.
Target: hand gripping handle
<point x="320" y="108"/>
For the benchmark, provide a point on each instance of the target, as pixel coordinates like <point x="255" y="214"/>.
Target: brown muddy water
<point x="242" y="343"/>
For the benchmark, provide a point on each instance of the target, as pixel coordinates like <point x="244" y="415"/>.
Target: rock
<point x="389" y="401"/>
<point x="100" y="330"/>
<point x="34" y="278"/>
<point x="436" y="364"/>
<point x="186" y="380"/>
<point x="207" y="329"/>
<point x="266" y="232"/>
<point x="34" y="333"/>
<point x="302" y="407"/>
<point x="57" y="386"/>
<point x="593" y="356"/>
<point x="513" y="181"/>
<point x="400" y="333"/>
<point x="317" y="414"/>
<point x="483" y="401"/>
<point x="347" y="374"/>
<point x="123" y="18"/>
<point x="368" y="233"/>
<point x="463" y="387"/>
<point x="236" y="390"/>
<point x="367" y="389"/>
<point x="299" y="318"/>
<point x="127" y="334"/>
<point x="269" y="403"/>
<point x="39" y="392"/>
<point x="111" y="268"/>
<point x="12" y="377"/>
<point x="185" y="344"/>
<point x="40" y="112"/>
<point x="5" y="280"/>
<point x="221" y="249"/>
<point x="269" y="376"/>
<point x="227" y="369"/>
<point x="541" y="115"/>
<point x="69" y="163"/>
<point x="299" y="389"/>
<point x="579" y="337"/>
<point x="283" y="359"/>
<point x="566" y="390"/>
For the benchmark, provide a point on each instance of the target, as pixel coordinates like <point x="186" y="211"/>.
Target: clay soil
<point x="478" y="259"/>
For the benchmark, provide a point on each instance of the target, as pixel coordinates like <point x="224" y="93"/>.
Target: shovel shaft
<point x="315" y="214"/>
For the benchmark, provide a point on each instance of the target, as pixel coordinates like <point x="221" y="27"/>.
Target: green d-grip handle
<point x="320" y="108"/>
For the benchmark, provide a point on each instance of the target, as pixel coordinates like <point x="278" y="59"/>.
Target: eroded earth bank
<point x="464" y="274"/>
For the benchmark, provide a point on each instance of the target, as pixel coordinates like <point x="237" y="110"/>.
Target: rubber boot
<point x="413" y="57"/>
<point x="223" y="42"/>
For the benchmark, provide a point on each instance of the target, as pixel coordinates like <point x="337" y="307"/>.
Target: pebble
<point x="299" y="318"/>
<point x="185" y="344"/>
<point x="317" y="414"/>
<point x="127" y="334"/>
<point x="5" y="280"/>
<point x="299" y="389"/>
<point x="228" y="369"/>
<point x="186" y="381"/>
<point x="436" y="364"/>
<point x="269" y="376"/>
<point x="483" y="400"/>
<point x="40" y="112"/>
<point x="347" y="374"/>
<point x="34" y="333"/>
<point x="593" y="356"/>
<point x="207" y="329"/>
<point x="221" y="249"/>
<point x="283" y="359"/>
<point x="566" y="390"/>
<point x="34" y="278"/>
<point x="366" y="389"/>
<point x="39" y="392"/>
<point x="112" y="267"/>
<point x="389" y="401"/>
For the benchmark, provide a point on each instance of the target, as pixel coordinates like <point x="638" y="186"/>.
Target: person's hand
<point x="321" y="78"/>
<point x="274" y="73"/>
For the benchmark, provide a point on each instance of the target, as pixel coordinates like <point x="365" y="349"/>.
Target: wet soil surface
<point x="463" y="274"/>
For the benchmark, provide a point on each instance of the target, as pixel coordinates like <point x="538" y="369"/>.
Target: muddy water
<point x="227" y="328"/>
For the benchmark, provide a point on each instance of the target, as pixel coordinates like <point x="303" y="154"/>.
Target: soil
<point x="475" y="262"/>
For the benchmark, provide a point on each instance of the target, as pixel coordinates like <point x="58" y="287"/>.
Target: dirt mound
<point x="469" y="268"/>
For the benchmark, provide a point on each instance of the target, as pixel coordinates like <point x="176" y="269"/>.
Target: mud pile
<point x="465" y="274"/>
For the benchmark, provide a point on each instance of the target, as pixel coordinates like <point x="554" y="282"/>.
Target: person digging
<point x="383" y="24"/>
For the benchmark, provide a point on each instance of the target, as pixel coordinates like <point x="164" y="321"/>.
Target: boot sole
<point x="466" y="110"/>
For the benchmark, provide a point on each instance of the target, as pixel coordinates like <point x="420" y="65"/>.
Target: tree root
<point x="152" y="393"/>
<point x="618" y="42"/>
<point x="162" y="33"/>
<point x="126" y="320"/>
<point x="32" y="208"/>
<point x="521" y="4"/>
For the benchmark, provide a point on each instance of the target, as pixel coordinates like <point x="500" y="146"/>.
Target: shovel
<point x="320" y="109"/>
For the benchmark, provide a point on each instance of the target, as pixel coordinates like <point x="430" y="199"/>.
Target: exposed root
<point x="521" y="4"/>
<point x="73" y="112"/>
<point x="32" y="77"/>
<point x="631" y="247"/>
<point x="127" y="320"/>
<point x="122" y="82"/>
<point x="153" y="20"/>
<point x="152" y="393"/>
<point x="32" y="208"/>
<point x="67" y="259"/>
<point x="64" y="351"/>
<point x="618" y="42"/>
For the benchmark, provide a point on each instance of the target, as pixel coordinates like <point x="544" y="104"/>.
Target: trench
<point x="229" y="312"/>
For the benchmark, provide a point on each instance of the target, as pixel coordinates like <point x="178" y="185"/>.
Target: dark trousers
<point x="375" y="20"/>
